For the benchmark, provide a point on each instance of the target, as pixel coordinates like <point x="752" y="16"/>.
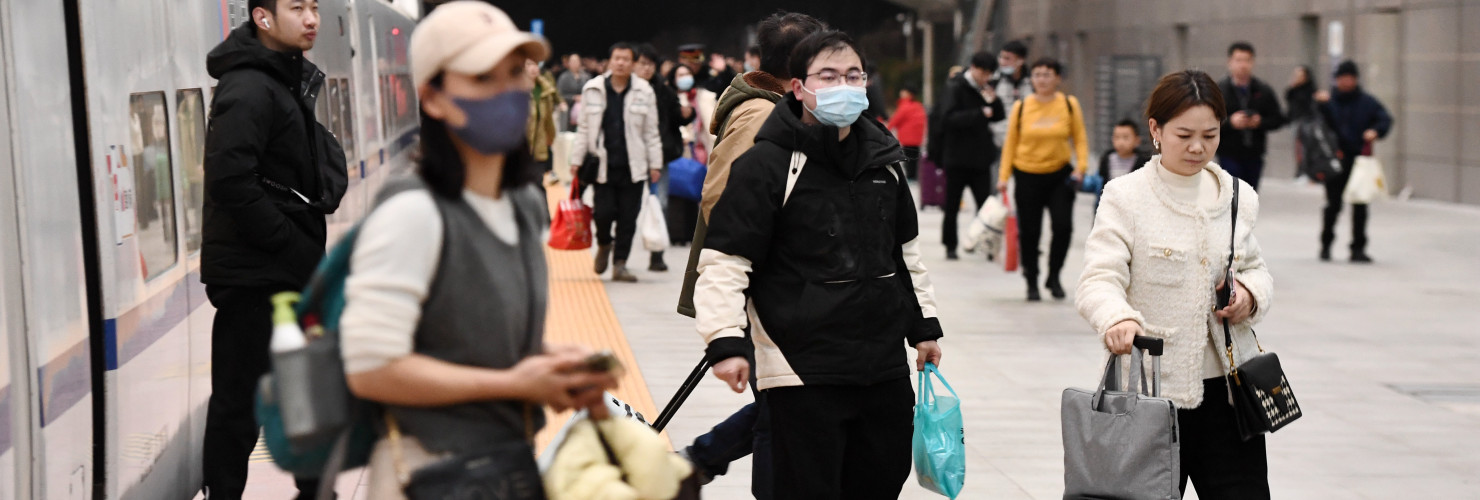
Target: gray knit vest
<point x="485" y="307"/>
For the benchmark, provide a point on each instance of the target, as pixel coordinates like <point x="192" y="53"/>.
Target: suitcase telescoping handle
<point x="683" y="394"/>
<point x="1152" y="346"/>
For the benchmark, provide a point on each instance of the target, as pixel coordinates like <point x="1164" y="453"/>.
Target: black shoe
<point x="603" y="258"/>
<point x="1055" y="289"/>
<point x="1360" y="257"/>
<point x="1033" y="295"/>
<point x="951" y="254"/>
<point x="1325" y="254"/>
<point x="657" y="265"/>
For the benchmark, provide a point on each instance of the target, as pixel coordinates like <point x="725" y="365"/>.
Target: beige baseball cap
<point x="467" y="36"/>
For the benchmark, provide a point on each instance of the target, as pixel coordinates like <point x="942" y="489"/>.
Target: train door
<point x="51" y="369"/>
<point x="15" y="425"/>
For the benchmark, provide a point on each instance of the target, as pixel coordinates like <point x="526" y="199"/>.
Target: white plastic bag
<point x="1367" y="184"/>
<point x="651" y="224"/>
<point x="560" y="156"/>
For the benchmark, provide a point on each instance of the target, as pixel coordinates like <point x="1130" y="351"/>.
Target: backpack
<point x="311" y="423"/>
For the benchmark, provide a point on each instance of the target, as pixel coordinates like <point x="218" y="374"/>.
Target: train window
<point x="347" y="120"/>
<point x="191" y="118"/>
<point x="154" y="212"/>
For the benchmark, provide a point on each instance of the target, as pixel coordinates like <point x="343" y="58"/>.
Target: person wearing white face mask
<point x="814" y="248"/>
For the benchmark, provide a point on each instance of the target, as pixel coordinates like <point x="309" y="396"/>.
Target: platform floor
<point x="1385" y="358"/>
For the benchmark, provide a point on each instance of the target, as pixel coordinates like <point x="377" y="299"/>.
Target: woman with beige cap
<point x="444" y="315"/>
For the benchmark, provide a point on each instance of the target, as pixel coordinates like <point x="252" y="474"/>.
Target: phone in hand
<point x="1227" y="293"/>
<point x="602" y="362"/>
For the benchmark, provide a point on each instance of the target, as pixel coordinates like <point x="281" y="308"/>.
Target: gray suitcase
<point x="1122" y="444"/>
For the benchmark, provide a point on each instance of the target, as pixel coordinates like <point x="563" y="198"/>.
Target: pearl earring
<point x="1156" y="144"/>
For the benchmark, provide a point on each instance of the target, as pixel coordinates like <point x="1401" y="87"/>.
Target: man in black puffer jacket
<point x="264" y="229"/>
<point x="813" y="248"/>
<point x="972" y="107"/>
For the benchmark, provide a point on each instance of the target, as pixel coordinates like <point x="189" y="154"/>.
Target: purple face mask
<point x="495" y="124"/>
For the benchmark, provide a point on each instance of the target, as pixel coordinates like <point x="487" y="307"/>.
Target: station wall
<point x="1415" y="56"/>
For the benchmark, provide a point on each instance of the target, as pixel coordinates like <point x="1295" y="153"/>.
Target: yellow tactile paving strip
<point x="581" y="313"/>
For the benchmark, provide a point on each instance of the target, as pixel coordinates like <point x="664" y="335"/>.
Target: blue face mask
<point x="685" y="83"/>
<point x="749" y="67"/>
<point x="496" y="124"/>
<point x="839" y="106"/>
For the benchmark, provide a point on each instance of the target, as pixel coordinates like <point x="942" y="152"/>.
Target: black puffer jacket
<point x="260" y="155"/>
<point x="967" y="131"/>
<point x="831" y="283"/>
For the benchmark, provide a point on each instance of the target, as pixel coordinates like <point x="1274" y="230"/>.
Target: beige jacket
<point x="1155" y="259"/>
<point x="745" y="123"/>
<point x="640" y="115"/>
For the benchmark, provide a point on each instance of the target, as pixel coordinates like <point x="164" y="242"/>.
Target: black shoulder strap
<point x="1233" y="215"/>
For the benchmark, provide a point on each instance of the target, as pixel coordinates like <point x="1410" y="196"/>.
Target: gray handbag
<point x="1122" y="444"/>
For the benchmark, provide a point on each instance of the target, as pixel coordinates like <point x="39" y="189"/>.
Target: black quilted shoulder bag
<point x="1262" y="399"/>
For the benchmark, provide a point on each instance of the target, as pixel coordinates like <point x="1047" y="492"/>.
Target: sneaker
<point x="621" y="274"/>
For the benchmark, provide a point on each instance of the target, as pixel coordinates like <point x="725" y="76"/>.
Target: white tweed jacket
<point x="1156" y="259"/>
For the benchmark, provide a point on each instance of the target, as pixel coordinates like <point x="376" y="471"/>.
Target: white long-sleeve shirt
<point x="394" y="261"/>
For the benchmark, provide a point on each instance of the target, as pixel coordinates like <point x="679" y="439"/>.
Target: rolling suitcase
<point x="932" y="184"/>
<point x="1122" y="444"/>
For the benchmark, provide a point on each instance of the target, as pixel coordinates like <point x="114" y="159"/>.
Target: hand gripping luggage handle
<point x="1143" y="345"/>
<point x="927" y="389"/>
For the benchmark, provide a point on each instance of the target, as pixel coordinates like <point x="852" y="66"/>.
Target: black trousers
<point x="912" y="161"/>
<point x="982" y="184"/>
<point x="841" y="442"/>
<point x="240" y="336"/>
<point x="617" y="202"/>
<point x="1219" y="462"/>
<point x="1034" y="194"/>
<point x="1335" y="186"/>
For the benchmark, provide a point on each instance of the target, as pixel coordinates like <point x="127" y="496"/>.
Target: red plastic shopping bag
<point x="571" y="229"/>
<point x="1010" y="238"/>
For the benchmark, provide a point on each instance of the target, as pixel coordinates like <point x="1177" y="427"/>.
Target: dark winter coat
<point x="830" y="281"/>
<point x="1262" y="101"/>
<point x="967" y="132"/>
<point x="670" y="119"/>
<point x="1353" y="113"/>
<point x="260" y="156"/>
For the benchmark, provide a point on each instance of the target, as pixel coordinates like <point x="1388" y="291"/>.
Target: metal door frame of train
<point x="47" y="317"/>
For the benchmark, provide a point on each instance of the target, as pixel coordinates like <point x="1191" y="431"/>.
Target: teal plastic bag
<point x="940" y="442"/>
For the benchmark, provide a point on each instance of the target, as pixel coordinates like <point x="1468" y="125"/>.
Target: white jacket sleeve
<point x="1250" y="269"/>
<point x="651" y="138"/>
<point x="393" y="263"/>
<point x="1101" y="296"/>
<point x="719" y="295"/>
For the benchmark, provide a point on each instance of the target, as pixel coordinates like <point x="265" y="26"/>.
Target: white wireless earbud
<point x="266" y="24"/>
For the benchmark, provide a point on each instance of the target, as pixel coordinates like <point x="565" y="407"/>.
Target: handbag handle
<point x="927" y="388"/>
<point x="1112" y="367"/>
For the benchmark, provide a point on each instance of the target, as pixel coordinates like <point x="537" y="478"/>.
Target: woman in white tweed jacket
<point x="1153" y="262"/>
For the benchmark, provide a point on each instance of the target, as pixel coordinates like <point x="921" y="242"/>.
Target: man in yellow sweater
<point x="1036" y="153"/>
